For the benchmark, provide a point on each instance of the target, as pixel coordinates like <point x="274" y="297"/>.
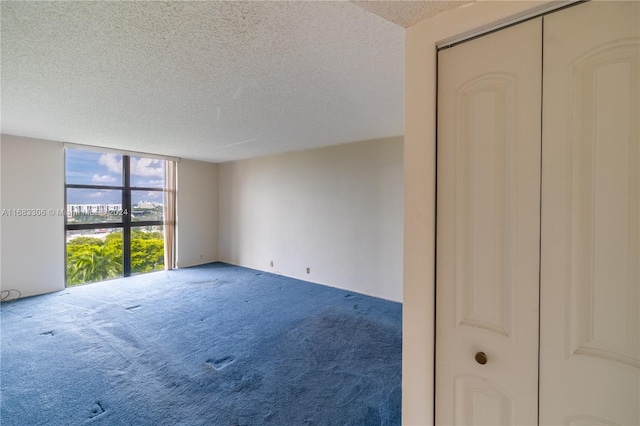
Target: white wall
<point x="197" y="213"/>
<point x="419" y="198"/>
<point x="336" y="210"/>
<point x="32" y="173"/>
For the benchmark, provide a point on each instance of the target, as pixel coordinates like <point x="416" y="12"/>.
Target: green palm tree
<point x="92" y="264"/>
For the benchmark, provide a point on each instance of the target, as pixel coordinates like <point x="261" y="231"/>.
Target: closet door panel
<point x="488" y="228"/>
<point x="590" y="326"/>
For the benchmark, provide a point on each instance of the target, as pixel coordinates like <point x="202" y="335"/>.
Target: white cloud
<point x="103" y="179"/>
<point x="98" y="194"/>
<point x="154" y="194"/>
<point x="150" y="182"/>
<point x="113" y="163"/>
<point x="146" y="167"/>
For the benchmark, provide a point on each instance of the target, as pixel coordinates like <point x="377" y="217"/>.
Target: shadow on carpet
<point x="209" y="345"/>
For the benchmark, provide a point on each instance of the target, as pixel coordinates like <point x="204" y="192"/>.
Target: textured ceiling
<point x="407" y="13"/>
<point x="213" y="81"/>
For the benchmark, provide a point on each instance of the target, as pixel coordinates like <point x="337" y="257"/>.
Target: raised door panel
<point x="478" y="401"/>
<point x="590" y="353"/>
<point x="488" y="228"/>
<point x="484" y="177"/>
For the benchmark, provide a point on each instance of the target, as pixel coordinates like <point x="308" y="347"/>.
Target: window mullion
<point x="126" y="218"/>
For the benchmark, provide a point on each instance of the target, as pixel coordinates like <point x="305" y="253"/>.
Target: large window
<point x="115" y="215"/>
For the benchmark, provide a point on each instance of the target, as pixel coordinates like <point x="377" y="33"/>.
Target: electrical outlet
<point x="308" y="270"/>
<point x="271" y="263"/>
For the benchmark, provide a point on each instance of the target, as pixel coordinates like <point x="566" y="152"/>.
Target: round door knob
<point x="481" y="358"/>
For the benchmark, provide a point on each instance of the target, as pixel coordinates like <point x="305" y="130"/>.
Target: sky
<point x="96" y="168"/>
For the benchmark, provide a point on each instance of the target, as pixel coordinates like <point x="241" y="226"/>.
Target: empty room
<point x="320" y="213"/>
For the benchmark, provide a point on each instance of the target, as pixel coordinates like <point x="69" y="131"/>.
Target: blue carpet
<point x="209" y="345"/>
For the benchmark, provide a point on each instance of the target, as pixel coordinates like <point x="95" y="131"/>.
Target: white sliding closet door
<point x="488" y="213"/>
<point x="590" y="327"/>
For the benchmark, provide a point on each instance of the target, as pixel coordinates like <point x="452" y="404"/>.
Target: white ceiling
<point x="213" y="81"/>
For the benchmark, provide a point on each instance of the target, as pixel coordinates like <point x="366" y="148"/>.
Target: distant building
<point x="92" y="209"/>
<point x="147" y="205"/>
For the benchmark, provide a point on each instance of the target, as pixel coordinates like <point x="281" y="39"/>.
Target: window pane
<point x="147" y="172"/>
<point x="93" y="205"/>
<point x="93" y="168"/>
<point x="147" y="249"/>
<point x="93" y="255"/>
<point x="146" y="205"/>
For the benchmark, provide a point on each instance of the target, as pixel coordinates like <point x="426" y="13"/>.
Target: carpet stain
<point x="219" y="363"/>
<point x="372" y="417"/>
<point x="48" y="333"/>
<point x="133" y="308"/>
<point x="96" y="410"/>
